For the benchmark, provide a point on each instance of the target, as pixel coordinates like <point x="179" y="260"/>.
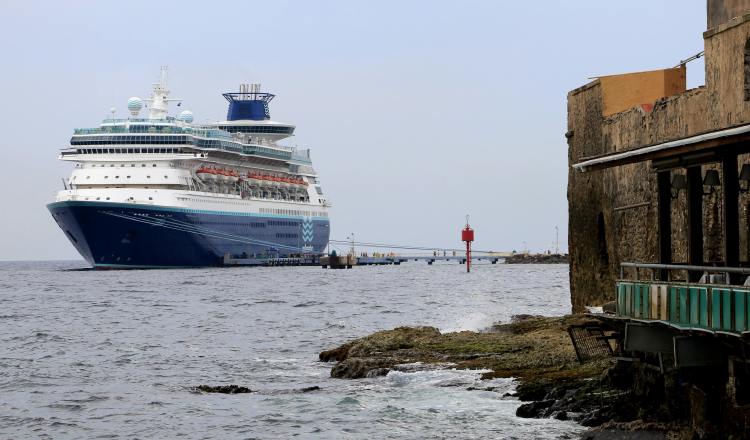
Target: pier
<point x="368" y="261"/>
<point x="349" y="261"/>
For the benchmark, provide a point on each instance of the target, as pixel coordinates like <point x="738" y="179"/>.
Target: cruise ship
<point x="163" y="191"/>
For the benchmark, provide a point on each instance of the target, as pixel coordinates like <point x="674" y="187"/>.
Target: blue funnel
<point x="248" y="105"/>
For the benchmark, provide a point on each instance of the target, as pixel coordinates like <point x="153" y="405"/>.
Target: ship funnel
<point x="248" y="104"/>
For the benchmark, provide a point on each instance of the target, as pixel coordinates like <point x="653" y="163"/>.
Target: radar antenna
<point x="159" y="101"/>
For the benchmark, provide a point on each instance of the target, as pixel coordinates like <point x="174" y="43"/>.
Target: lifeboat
<point x="206" y="174"/>
<point x="263" y="180"/>
<point x="224" y="176"/>
<point x="253" y="178"/>
<point x="283" y="183"/>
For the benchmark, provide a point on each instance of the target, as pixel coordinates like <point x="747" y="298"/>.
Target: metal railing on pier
<point x="668" y="268"/>
<point x="718" y="301"/>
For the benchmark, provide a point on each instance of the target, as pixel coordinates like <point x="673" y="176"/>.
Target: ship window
<point x="148" y="177"/>
<point x="165" y="177"/>
<point x="107" y="198"/>
<point x="117" y="177"/>
<point x="151" y="198"/>
<point x="106" y="177"/>
<point x="153" y="165"/>
<point x="128" y="177"/>
<point x="88" y="177"/>
<point x="132" y="164"/>
<point x="143" y="164"/>
<point x="112" y="165"/>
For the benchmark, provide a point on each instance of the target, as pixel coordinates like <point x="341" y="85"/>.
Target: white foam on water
<point x="470" y="322"/>
<point x="447" y="378"/>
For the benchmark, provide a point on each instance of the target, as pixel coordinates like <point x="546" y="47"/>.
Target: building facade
<point x="656" y="172"/>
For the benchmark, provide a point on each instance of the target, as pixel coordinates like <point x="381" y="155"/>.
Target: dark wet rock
<point x="357" y="368"/>
<point x="420" y="366"/>
<point x="309" y="389"/>
<point x="535" y="390"/>
<point x="223" y="389"/>
<point x="640" y="430"/>
<point x="560" y="415"/>
<point x="536" y="409"/>
<point x="594" y="418"/>
<point x="484" y="389"/>
<point x="337" y="354"/>
<point x="622" y="434"/>
<point x="378" y="372"/>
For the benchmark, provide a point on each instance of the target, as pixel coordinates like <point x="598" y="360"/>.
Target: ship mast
<point x="159" y="102"/>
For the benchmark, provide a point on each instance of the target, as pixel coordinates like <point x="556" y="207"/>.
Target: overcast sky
<point x="417" y="112"/>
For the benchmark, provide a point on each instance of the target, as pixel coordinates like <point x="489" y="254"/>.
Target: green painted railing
<point x="713" y="307"/>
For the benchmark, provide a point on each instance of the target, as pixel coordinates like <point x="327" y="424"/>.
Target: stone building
<point x="658" y="173"/>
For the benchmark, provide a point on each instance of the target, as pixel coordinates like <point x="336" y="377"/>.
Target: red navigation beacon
<point x="467" y="235"/>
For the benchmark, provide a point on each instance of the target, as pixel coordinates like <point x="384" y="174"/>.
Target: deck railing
<point x="717" y="306"/>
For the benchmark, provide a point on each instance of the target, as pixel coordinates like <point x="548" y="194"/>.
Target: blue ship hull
<point x="127" y="235"/>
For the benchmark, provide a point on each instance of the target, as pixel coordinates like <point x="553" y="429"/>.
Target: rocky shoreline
<point x="534" y="350"/>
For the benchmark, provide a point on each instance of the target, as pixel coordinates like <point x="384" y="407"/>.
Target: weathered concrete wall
<point x="721" y="11"/>
<point x="613" y="212"/>
<point x="726" y="73"/>
<point x="587" y="245"/>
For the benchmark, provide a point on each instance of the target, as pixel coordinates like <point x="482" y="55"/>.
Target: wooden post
<point x="695" y="219"/>
<point x="664" y="186"/>
<point x="730" y="210"/>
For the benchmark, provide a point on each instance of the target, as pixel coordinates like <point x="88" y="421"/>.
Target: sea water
<point x="115" y="354"/>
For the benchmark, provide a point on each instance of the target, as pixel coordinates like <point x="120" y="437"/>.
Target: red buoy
<point x="467" y="235"/>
